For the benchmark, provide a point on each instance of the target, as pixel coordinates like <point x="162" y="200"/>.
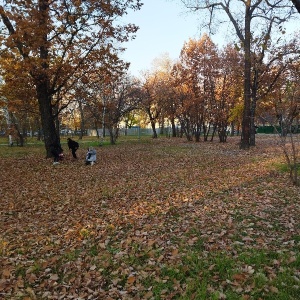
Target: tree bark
<point x="222" y="132"/>
<point x="42" y="81"/>
<point x="252" y="121"/>
<point x="113" y="134"/>
<point x="297" y="5"/>
<point x="153" y="129"/>
<point x="173" y="127"/>
<point x="245" y="137"/>
<point x="197" y="132"/>
<point x="82" y="125"/>
<point x="48" y="124"/>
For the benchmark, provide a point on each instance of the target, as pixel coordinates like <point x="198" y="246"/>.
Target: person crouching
<point x="57" y="152"/>
<point x="91" y="156"/>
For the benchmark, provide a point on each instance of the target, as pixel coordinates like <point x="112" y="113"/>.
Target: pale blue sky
<point x="164" y="27"/>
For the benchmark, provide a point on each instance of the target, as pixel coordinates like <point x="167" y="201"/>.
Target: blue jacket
<point x="91" y="155"/>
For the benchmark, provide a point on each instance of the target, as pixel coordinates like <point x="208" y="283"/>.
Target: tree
<point x="229" y="90"/>
<point x="267" y="52"/>
<point x="107" y="97"/>
<point x="182" y="100"/>
<point x="200" y="65"/>
<point x="287" y="108"/>
<point x="130" y="120"/>
<point x="165" y="91"/>
<point x="122" y="97"/>
<point x="246" y="18"/>
<point x="20" y="101"/>
<point x="58" y="42"/>
<point x="297" y="4"/>
<point x="151" y="99"/>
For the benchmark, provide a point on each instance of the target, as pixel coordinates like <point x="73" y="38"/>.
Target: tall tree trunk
<point x="206" y="130"/>
<point x="42" y="81"/>
<point x="113" y="133"/>
<point x="253" y="109"/>
<point x="252" y="122"/>
<point x="81" y="120"/>
<point x="197" y="132"/>
<point x="55" y="118"/>
<point x="185" y="127"/>
<point x="153" y="129"/>
<point x="111" y="136"/>
<point x="245" y="137"/>
<point x="48" y="124"/>
<point x="173" y="127"/>
<point x="213" y="133"/>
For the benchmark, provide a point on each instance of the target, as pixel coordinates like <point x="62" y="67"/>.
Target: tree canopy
<point x="247" y="19"/>
<point x="58" y="42"/>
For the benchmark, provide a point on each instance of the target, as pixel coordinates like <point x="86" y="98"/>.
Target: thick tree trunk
<point x="112" y="137"/>
<point x="48" y="124"/>
<point x="113" y="133"/>
<point x="252" y="122"/>
<point x="253" y="109"/>
<point x="42" y="81"/>
<point x="245" y="137"/>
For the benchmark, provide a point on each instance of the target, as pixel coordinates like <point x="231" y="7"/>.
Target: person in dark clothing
<point x="73" y="145"/>
<point x="56" y="151"/>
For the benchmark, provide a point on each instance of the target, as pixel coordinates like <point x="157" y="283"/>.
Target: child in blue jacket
<point x="91" y="156"/>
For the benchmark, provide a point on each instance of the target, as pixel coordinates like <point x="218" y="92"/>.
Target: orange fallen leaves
<point x="131" y="279"/>
<point x="104" y="232"/>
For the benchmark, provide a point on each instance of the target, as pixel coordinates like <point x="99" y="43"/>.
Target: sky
<point x="164" y="27"/>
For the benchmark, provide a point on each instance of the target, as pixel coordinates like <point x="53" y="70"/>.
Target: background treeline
<point x="198" y="96"/>
<point x="61" y="70"/>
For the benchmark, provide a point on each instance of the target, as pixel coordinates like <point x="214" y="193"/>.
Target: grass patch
<point x="220" y="276"/>
<point x="285" y="168"/>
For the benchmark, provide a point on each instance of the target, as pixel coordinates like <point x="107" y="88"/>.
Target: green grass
<point x="31" y="147"/>
<point x="32" y="144"/>
<point x="257" y="268"/>
<point x="284" y="168"/>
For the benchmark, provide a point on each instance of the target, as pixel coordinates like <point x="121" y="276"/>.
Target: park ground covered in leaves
<point x="154" y="219"/>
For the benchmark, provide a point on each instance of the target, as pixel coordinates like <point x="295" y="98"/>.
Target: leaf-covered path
<point x="166" y="219"/>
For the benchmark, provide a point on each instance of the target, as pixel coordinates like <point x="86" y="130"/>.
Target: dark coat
<point x="72" y="144"/>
